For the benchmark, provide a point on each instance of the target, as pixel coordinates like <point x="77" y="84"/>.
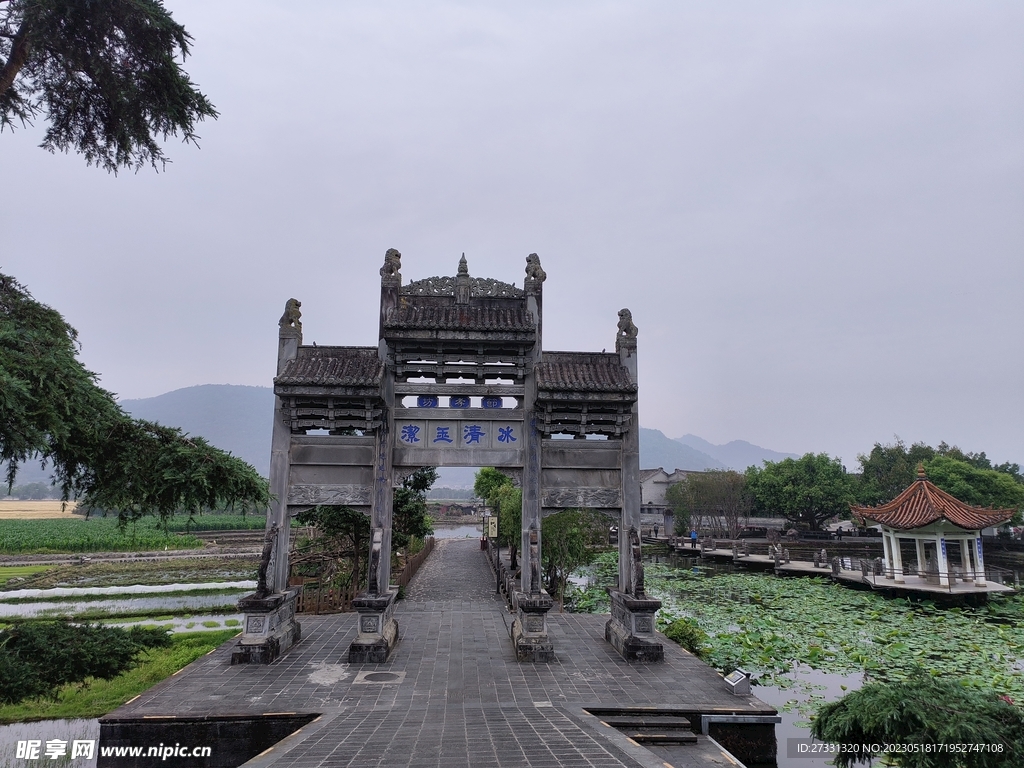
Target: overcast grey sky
<point x="815" y="210"/>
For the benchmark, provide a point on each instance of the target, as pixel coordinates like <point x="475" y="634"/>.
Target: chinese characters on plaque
<point x="459" y="434"/>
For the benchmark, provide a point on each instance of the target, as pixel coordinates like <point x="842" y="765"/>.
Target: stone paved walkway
<point x="456" y="696"/>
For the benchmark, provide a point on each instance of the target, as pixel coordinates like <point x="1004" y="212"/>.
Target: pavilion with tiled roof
<point x="932" y="518"/>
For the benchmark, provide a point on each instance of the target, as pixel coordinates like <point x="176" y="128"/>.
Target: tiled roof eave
<point x="903" y="519"/>
<point x="459" y="334"/>
<point x="306" y="389"/>
<point x="587" y="393"/>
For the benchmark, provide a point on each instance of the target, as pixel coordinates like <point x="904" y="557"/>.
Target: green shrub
<point x="925" y="711"/>
<point x="689" y="635"/>
<point x="38" y="658"/>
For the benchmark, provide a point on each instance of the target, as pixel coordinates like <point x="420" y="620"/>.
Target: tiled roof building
<point x="933" y="520"/>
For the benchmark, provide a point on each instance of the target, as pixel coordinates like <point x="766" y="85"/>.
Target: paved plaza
<point x="452" y="694"/>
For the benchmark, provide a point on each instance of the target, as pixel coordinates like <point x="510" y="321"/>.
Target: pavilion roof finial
<point x="920" y="471"/>
<point x="463" y="265"/>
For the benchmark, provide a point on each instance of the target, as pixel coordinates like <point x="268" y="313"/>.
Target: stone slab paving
<point x="454" y="694"/>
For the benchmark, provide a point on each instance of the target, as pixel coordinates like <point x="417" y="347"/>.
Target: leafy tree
<point x="678" y="498"/>
<point x="806" y="491"/>
<point x="509" y="506"/>
<point x="889" y="469"/>
<point x="506" y="500"/>
<point x="570" y="538"/>
<point x="51" y="409"/>
<point x="714" y="500"/>
<point x="104" y="73"/>
<point x="409" y="511"/>
<point x="487" y="480"/>
<point x="31" y="491"/>
<point x="974" y="486"/>
<point x="342" y="546"/>
<point x="38" y="658"/>
<point x="924" y="711"/>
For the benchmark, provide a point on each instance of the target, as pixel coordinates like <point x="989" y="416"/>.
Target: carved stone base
<point x="378" y="630"/>
<point x="630" y="630"/>
<point x="530" y="627"/>
<point x="269" y="630"/>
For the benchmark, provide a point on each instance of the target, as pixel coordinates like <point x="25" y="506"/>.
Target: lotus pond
<point x="808" y="640"/>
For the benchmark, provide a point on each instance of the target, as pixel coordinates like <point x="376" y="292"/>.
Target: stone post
<point x="529" y="628"/>
<point x="625" y="345"/>
<point x="378" y="629"/>
<point x="269" y="627"/>
<point x="631" y="627"/>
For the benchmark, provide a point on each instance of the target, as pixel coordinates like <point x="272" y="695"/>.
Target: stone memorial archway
<point x="458" y="377"/>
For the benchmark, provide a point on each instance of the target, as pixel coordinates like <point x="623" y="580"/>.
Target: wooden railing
<point x="413" y="564"/>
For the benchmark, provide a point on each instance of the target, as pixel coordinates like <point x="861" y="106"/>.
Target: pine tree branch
<point x="18" y="57"/>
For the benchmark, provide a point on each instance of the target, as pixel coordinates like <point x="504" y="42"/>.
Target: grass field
<point x="11" y="509"/>
<point x="20" y="572"/>
<point x="79" y="535"/>
<point x="253" y="522"/>
<point x="103" y="696"/>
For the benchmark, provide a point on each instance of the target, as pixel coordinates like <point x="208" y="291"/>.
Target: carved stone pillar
<point x="378" y="629"/>
<point x="529" y="628"/>
<point x="269" y="627"/>
<point x="631" y="627"/>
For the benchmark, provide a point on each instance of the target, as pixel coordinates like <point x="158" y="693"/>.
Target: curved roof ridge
<point x="923" y="503"/>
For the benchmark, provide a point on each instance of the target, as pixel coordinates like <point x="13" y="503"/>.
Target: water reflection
<point x="48" y="730"/>
<point x="134" y="589"/>
<point x="809" y="684"/>
<point x="131" y="605"/>
<point x="457" y="532"/>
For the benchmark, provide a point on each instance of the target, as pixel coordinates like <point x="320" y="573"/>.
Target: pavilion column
<point x="943" y="562"/>
<point x="886" y="552"/>
<point x="919" y="544"/>
<point x="979" y="578"/>
<point x="897" y="559"/>
<point x="965" y="558"/>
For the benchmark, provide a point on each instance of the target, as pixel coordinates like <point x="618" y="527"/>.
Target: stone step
<point x="648" y="721"/>
<point x="680" y="737"/>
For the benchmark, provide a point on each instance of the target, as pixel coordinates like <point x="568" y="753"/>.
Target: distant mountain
<point x="657" y="450"/>
<point x="234" y="418"/>
<point x="240" y="420"/>
<point x="738" y="454"/>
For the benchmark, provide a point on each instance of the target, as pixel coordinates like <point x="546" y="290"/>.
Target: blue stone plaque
<point x="426" y="401"/>
<point x="491" y="402"/>
<point x="459" y="401"/>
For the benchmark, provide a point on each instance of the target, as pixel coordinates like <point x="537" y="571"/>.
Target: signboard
<point x="458" y="433"/>
<point x="492" y="526"/>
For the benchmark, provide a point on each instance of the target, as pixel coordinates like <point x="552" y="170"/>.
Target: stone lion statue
<point x="392" y="264"/>
<point x="290" y="318"/>
<point x="534" y="270"/>
<point x="627" y="329"/>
